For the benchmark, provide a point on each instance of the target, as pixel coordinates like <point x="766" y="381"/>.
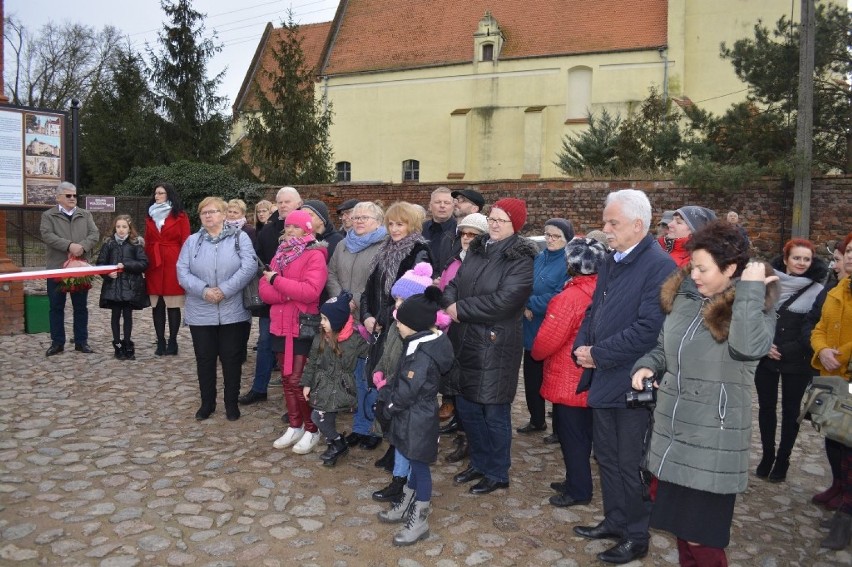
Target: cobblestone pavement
<point x="102" y="463"/>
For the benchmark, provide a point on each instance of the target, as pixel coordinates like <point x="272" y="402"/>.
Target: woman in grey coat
<point x="214" y="266"/>
<point x="720" y="322"/>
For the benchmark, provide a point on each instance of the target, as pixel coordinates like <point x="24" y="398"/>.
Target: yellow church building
<point x="480" y="90"/>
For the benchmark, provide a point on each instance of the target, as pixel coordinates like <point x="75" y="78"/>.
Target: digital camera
<point x="647" y="397"/>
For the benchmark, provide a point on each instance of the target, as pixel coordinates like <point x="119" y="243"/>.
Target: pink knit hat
<point x="301" y="219"/>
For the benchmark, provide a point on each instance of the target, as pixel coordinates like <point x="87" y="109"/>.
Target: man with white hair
<point x="286" y="200"/>
<point x="621" y="325"/>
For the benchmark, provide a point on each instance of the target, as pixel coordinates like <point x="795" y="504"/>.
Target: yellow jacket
<point x="834" y="329"/>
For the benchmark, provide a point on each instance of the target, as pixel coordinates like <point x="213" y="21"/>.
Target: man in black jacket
<point x="286" y="200"/>
<point x="622" y="324"/>
<point x="442" y="224"/>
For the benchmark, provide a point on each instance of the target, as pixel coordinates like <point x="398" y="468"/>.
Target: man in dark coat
<point x="286" y="200"/>
<point x="622" y="324"/>
<point x="439" y="227"/>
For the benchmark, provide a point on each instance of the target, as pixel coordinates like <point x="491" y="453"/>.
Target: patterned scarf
<point x="390" y="256"/>
<point x="236" y="223"/>
<point x="289" y="250"/>
<point x="158" y="212"/>
<point x="355" y="243"/>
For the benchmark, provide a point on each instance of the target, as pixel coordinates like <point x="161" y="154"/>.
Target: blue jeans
<point x="367" y="394"/>
<point x="56" y="315"/>
<point x="401" y="464"/>
<point x="489" y="436"/>
<point x="265" y="357"/>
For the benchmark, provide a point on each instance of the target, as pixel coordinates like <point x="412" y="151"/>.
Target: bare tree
<point x="59" y="63"/>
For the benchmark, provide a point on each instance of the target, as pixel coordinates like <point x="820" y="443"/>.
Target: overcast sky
<point x="238" y="24"/>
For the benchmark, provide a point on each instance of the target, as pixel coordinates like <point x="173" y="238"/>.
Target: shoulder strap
<point x="795" y="296"/>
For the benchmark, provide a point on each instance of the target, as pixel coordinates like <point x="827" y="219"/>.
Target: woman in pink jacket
<point x="292" y="285"/>
<point x="572" y="418"/>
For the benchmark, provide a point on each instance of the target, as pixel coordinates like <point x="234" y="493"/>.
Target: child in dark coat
<point x="410" y="403"/>
<point x="124" y="289"/>
<point x="328" y="382"/>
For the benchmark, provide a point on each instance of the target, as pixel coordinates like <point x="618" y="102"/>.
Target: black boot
<point x="339" y="447"/>
<point x="779" y="469"/>
<point x="766" y="463"/>
<point x="387" y="460"/>
<point x="392" y="492"/>
<point x="451" y="427"/>
<point x="119" y="350"/>
<point x="171" y="347"/>
<point x="161" y="347"/>
<point x="129" y="349"/>
<point x="461" y="449"/>
<point x="840" y="533"/>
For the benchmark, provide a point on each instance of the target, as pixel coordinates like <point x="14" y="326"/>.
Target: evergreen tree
<point x="288" y="135"/>
<point x="120" y="127"/>
<point x="594" y="149"/>
<point x="194" y="127"/>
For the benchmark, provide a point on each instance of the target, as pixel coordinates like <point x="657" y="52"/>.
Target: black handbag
<point x="309" y="325"/>
<point x="251" y="293"/>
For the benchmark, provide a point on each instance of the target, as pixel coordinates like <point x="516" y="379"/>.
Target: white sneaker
<point x="291" y="436"/>
<point x="307" y="443"/>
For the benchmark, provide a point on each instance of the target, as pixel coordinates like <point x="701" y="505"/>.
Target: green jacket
<point x="704" y="361"/>
<point x="330" y="377"/>
<point x="58" y="231"/>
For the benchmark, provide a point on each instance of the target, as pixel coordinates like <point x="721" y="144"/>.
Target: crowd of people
<point x="647" y="346"/>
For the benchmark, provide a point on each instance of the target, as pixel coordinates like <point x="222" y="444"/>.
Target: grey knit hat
<point x="695" y="217"/>
<point x="563" y="225"/>
<point x="585" y="256"/>
<point x="320" y="209"/>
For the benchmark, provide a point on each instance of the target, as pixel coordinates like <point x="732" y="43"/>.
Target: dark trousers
<point x="489" y="436"/>
<point x="533" y="377"/>
<point x="326" y="422"/>
<point x="115" y="322"/>
<point x="56" y="314"/>
<point x="618" y="434"/>
<point x="573" y="426"/>
<point x="420" y="479"/>
<point x="793" y="388"/>
<point x="212" y="344"/>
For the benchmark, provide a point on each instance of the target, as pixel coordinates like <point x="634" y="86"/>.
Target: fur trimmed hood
<point x="717" y="309"/>
<point x="520" y="248"/>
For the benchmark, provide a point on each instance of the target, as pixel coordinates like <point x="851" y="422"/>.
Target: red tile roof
<point x="403" y="34"/>
<point x="313" y="41"/>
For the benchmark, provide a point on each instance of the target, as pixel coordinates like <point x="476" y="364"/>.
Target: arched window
<point x="344" y="171"/>
<point x="487" y="52"/>
<point x="411" y="170"/>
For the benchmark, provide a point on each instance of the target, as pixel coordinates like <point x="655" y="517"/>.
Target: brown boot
<point x="446" y="411"/>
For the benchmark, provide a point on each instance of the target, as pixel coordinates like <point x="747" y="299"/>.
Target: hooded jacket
<point x="330" y="377"/>
<point x="413" y="400"/>
<point x="704" y="362"/>
<point x="129" y="286"/>
<point x="490" y="291"/>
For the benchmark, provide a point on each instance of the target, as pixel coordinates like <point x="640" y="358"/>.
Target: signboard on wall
<point x="32" y="155"/>
<point x="100" y="203"/>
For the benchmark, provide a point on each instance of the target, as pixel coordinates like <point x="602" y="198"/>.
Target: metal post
<point x="75" y="142"/>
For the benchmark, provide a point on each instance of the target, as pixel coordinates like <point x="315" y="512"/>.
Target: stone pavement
<point x="102" y="463"/>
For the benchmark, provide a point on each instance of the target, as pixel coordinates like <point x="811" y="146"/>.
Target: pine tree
<point x="195" y="129"/>
<point x="288" y="135"/>
<point x="120" y="128"/>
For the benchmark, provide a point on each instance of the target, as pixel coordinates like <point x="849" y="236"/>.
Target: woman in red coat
<point x="166" y="229"/>
<point x="572" y="418"/>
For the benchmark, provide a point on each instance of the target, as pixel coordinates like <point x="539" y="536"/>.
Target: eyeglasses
<point x="208" y="213"/>
<point x="492" y="220"/>
<point x="552" y="236"/>
<point x="468" y="234"/>
<point x="363" y="219"/>
<point x="70" y="196"/>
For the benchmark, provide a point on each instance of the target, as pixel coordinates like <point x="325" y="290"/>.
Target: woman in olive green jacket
<point x="720" y="323"/>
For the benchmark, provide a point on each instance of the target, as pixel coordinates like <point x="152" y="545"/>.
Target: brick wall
<point x="11" y="294"/>
<point x="764" y="208"/>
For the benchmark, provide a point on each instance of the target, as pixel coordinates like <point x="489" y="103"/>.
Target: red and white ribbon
<point x="59" y="273"/>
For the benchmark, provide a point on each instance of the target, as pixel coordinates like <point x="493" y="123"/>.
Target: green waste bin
<point x="36" y="313"/>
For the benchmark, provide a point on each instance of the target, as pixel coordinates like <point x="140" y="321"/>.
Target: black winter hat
<point x="319" y="208"/>
<point x="564" y="225"/>
<point x="419" y="311"/>
<point x="337" y="310"/>
<point x="347" y="205"/>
